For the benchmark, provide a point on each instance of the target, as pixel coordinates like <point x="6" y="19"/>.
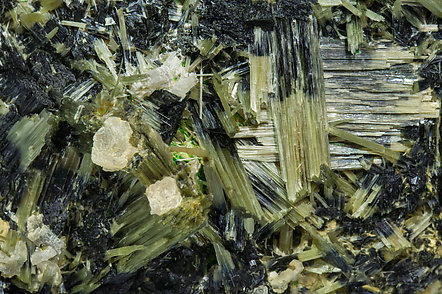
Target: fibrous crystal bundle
<point x="215" y="146"/>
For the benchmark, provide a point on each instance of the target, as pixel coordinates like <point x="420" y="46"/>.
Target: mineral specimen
<point x="213" y="146"/>
<point x="280" y="281"/>
<point x="11" y="265"/>
<point x="112" y="149"/>
<point x="163" y="196"/>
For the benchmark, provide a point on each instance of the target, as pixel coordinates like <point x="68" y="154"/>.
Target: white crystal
<point x="10" y="264"/>
<point x="183" y="85"/>
<point x="40" y="255"/>
<point x="48" y="252"/>
<point x="41" y="235"/>
<point x="112" y="150"/>
<point x="49" y="272"/>
<point x="163" y="196"/>
<point x="171" y="76"/>
<point x="280" y="281"/>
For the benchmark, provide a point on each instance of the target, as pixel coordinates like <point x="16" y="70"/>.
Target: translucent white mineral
<point x="171" y="76"/>
<point x="163" y="196"/>
<point x="49" y="272"/>
<point x="48" y="250"/>
<point x="10" y="264"/>
<point x="112" y="150"/>
<point x="280" y="281"/>
<point x="40" y="255"/>
<point x="41" y="235"/>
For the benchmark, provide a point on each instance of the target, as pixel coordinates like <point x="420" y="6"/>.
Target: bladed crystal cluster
<point x="220" y="146"/>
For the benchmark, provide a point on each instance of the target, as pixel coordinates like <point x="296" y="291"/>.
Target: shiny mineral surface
<point x="111" y="148"/>
<point x="214" y="146"/>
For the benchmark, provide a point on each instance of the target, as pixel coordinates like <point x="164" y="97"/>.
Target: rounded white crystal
<point x="112" y="150"/>
<point x="280" y="281"/>
<point x="163" y="196"/>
